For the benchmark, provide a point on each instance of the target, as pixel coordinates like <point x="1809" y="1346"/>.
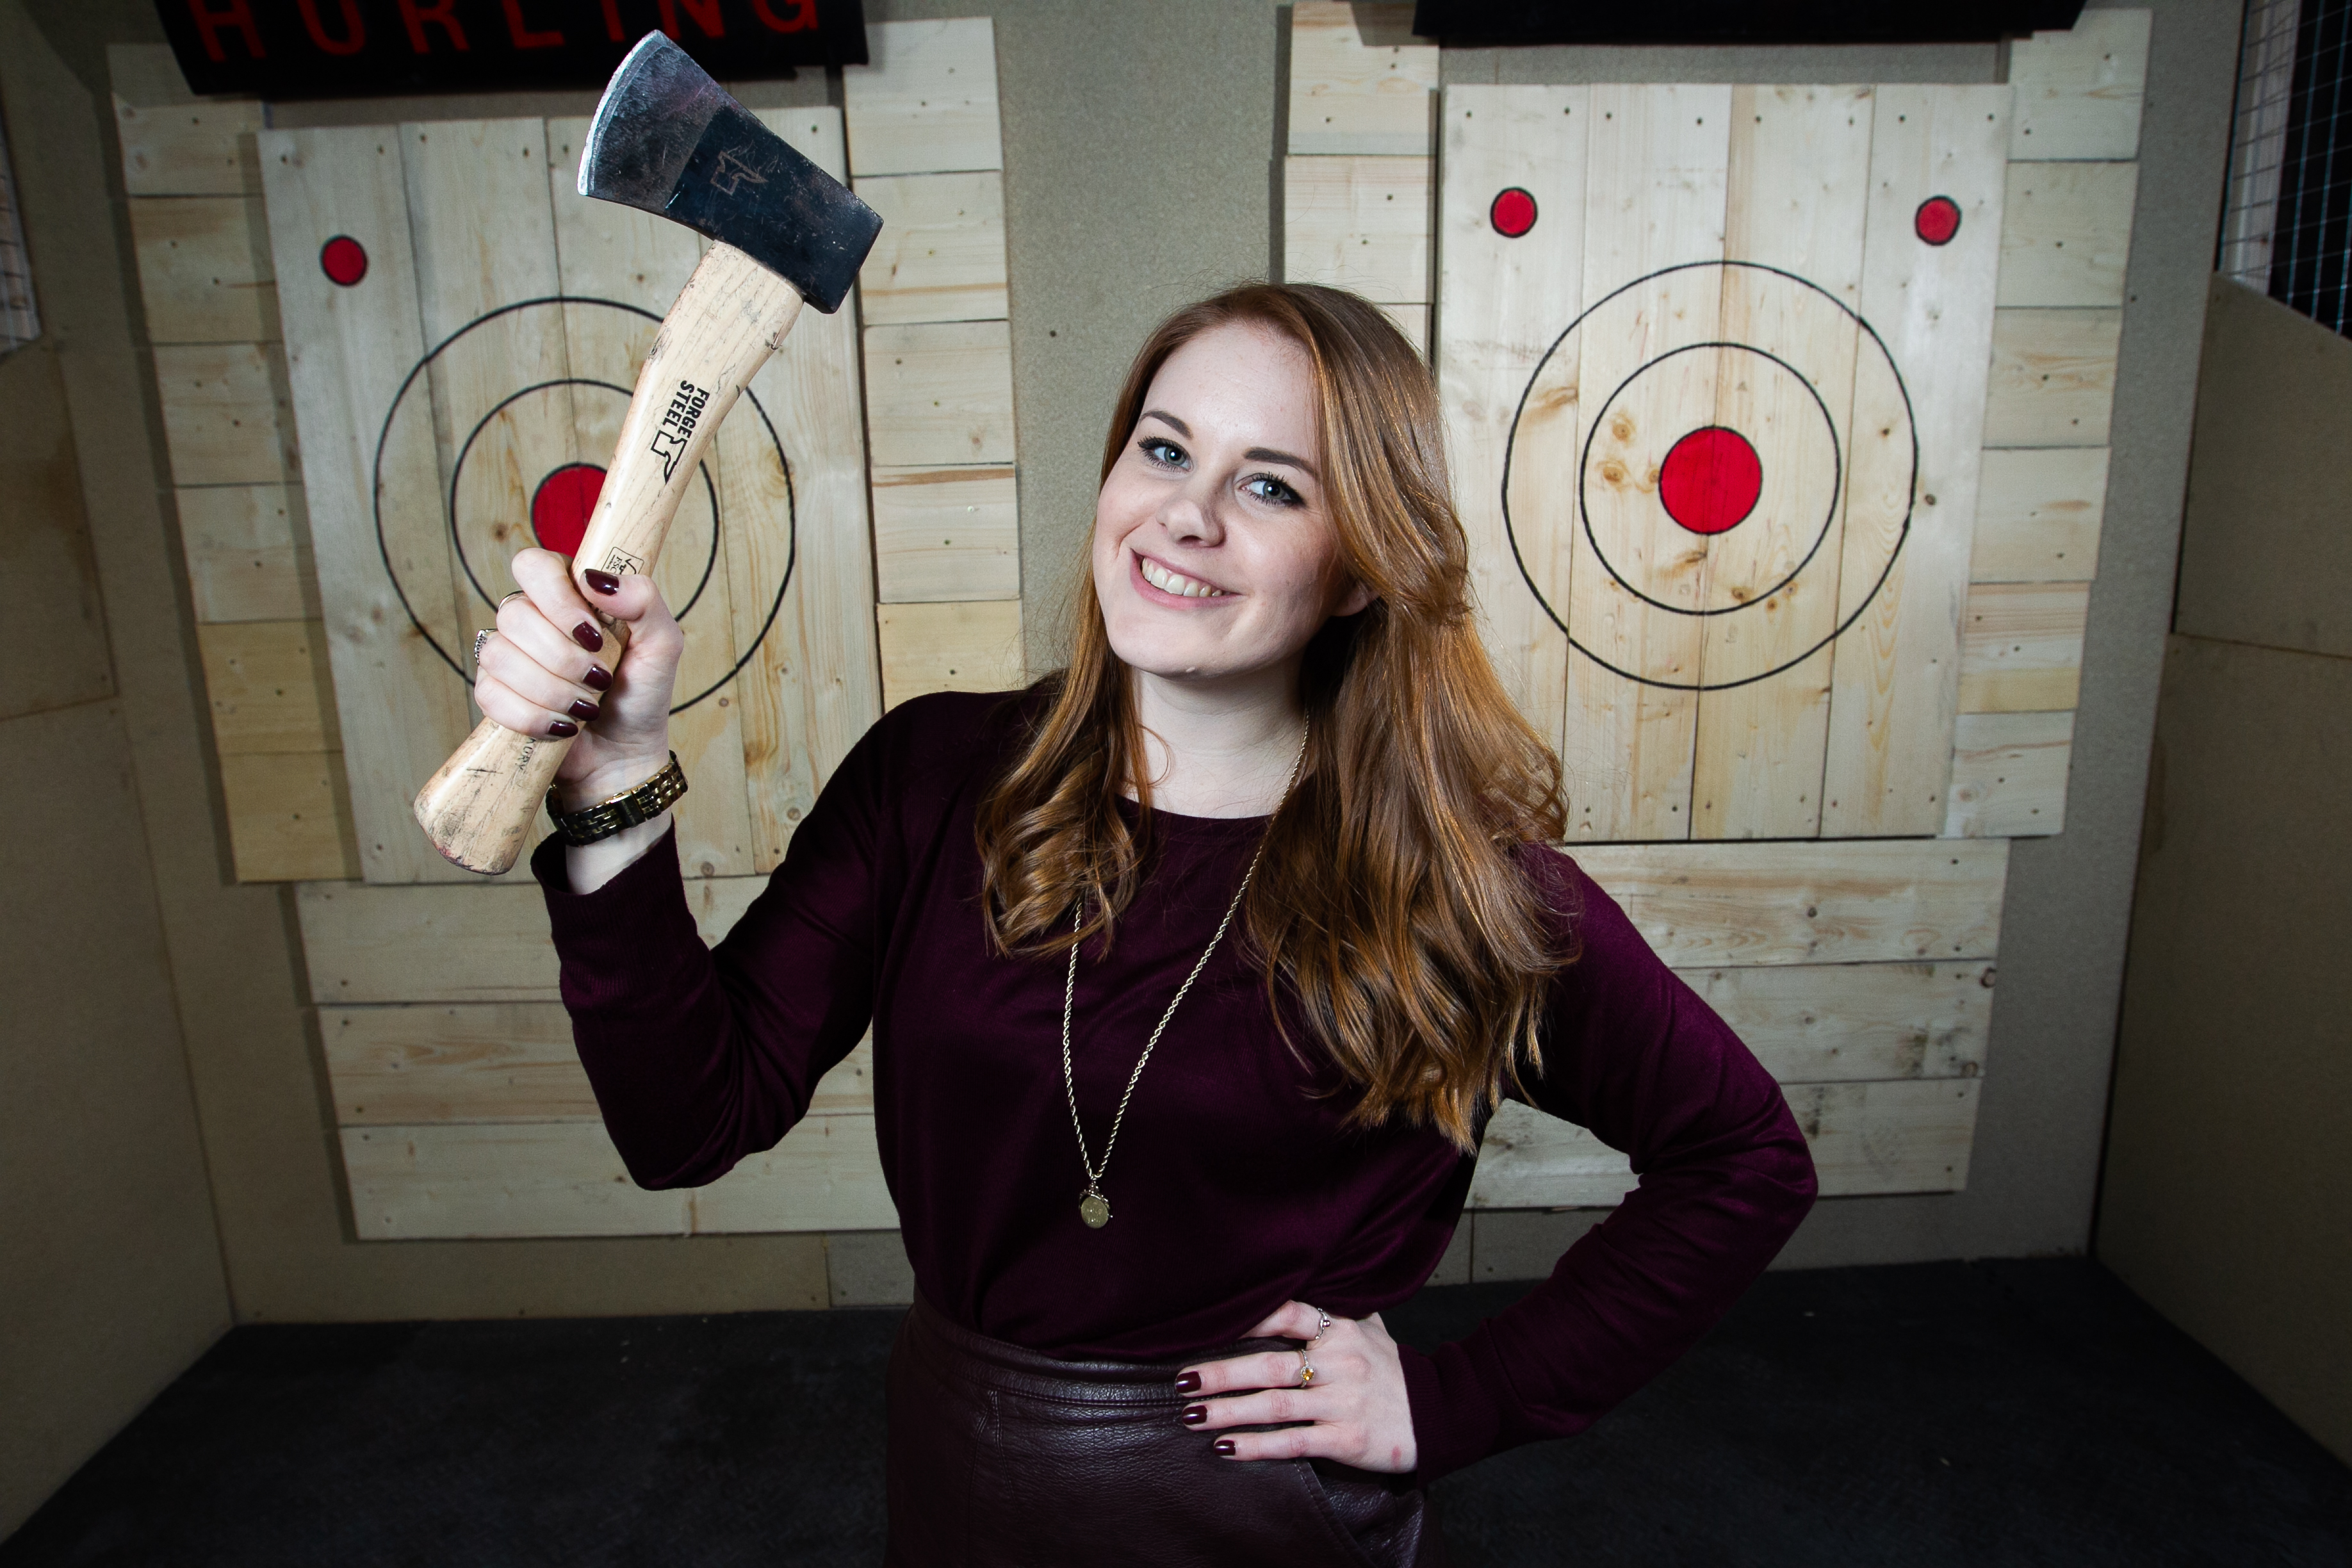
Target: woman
<point x="1276" y="835"/>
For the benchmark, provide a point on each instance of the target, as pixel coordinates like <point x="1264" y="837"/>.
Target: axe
<point x="667" y="139"/>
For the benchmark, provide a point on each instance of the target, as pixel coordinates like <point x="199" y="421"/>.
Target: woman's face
<point x="1213" y="554"/>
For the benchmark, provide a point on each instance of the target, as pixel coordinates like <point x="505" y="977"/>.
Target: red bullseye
<point x="1710" y="480"/>
<point x="1938" y="219"/>
<point x="1513" y="213"/>
<point x="562" y="505"/>
<point x="344" y="260"/>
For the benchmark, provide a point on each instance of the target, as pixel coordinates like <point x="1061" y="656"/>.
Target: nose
<point x="1188" y="517"/>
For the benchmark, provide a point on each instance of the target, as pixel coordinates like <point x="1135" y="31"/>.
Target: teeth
<point x="1168" y="582"/>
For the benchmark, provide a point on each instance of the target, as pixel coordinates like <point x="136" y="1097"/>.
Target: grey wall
<point x="2228" y="1201"/>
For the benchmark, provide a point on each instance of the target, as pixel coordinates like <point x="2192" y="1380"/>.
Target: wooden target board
<point x="463" y="333"/>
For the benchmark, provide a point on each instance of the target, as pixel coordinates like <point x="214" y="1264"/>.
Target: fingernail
<point x="1225" y="1447"/>
<point x="563" y="729"/>
<point x="583" y="710"/>
<point x="1195" y="1413"/>
<point x="598" y="678"/>
<point x="1189" y="1383"/>
<point x="602" y="582"/>
<point x="586" y="634"/>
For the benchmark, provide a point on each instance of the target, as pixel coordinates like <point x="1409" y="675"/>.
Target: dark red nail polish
<point x="1190" y="1383"/>
<point x="563" y="729"/>
<point x="584" y="710"/>
<point x="1195" y="1413"/>
<point x="598" y="678"/>
<point x="602" y="582"/>
<point x="586" y="634"/>
<point x="1225" y="1447"/>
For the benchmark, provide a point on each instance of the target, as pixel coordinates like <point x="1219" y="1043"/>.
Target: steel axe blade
<point x="669" y="139"/>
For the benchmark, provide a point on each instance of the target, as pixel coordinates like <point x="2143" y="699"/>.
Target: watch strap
<point x="640" y="802"/>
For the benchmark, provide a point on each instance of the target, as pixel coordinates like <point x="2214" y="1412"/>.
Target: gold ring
<point x="1306" y="1370"/>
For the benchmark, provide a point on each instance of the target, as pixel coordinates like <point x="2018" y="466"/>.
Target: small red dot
<point x="1513" y="213"/>
<point x="1710" y="480"/>
<point x="344" y="260"/>
<point x="562" y="505"/>
<point x="1938" y="219"/>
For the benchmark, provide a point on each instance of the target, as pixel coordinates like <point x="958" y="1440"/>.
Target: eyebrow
<point x="1255" y="455"/>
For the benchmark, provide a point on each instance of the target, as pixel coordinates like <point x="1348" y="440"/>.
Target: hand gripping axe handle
<point x="667" y="139"/>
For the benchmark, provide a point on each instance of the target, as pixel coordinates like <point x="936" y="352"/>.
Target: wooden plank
<point x="1895" y="671"/>
<point x="190" y="149"/>
<point x="815" y="684"/>
<point x="204" y="268"/>
<point x="402" y="709"/>
<point x="1505" y="302"/>
<point x="2079" y="92"/>
<point x="2066" y="236"/>
<point x="2008" y="774"/>
<point x="1799" y="187"/>
<point x="1856" y="1022"/>
<point x="946" y="534"/>
<point x="962" y="647"/>
<point x="228" y="416"/>
<point x="499" y="1061"/>
<point x="1657" y="168"/>
<point x="1360" y="80"/>
<point x="2038" y="514"/>
<point x="1359" y="223"/>
<point x="564" y="1178"/>
<point x="484" y="233"/>
<point x="289" y="816"/>
<point x="925" y="102"/>
<point x="1908" y="1136"/>
<point x="825" y="1175"/>
<point x="941" y="257"/>
<point x="939" y="394"/>
<point x="2024" y="650"/>
<point x="1870" y="901"/>
<point x="248" y="553"/>
<point x="2054" y="377"/>
<point x="268" y="686"/>
<point x="482" y="941"/>
<point x="607" y="251"/>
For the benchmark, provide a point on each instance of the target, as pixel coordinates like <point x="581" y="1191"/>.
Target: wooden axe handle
<point x="732" y="315"/>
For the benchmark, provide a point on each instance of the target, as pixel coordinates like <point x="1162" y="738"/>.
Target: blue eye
<point x="1273" y="491"/>
<point x="1162" y="451"/>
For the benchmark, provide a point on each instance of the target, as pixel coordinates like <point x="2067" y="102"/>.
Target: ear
<point x="1357" y="599"/>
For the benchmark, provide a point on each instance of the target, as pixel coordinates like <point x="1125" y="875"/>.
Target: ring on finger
<point x="1306" y="1370"/>
<point x="518" y="593"/>
<point x="479" y="639"/>
<point x="1319" y="1327"/>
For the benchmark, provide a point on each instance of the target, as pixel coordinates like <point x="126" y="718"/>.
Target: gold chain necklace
<point x="1093" y="1208"/>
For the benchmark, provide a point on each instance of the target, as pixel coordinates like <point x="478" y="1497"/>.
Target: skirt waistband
<point x="973" y="1357"/>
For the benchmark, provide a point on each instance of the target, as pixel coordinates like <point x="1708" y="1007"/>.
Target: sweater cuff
<point x="613" y="928"/>
<point x="1458" y="1397"/>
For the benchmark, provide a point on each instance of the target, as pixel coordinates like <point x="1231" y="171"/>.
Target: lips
<point x="1176" y="584"/>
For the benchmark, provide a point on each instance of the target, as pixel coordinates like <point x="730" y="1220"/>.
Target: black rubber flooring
<point x="1987" y="1412"/>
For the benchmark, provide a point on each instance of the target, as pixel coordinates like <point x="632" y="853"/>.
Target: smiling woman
<point x="1269" y="862"/>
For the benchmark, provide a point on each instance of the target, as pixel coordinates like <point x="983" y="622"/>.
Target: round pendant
<point x="1094" y="1209"/>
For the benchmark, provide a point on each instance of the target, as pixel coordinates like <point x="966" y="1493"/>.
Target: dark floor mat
<point x="1990" y="1413"/>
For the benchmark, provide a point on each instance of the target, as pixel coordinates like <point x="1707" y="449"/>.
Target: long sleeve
<point x="1633" y="1054"/>
<point x="699" y="1056"/>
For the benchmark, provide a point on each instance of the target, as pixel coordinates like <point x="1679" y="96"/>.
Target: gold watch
<point x="639" y="802"/>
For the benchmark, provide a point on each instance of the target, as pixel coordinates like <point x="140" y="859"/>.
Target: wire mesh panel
<point x="2287" y="229"/>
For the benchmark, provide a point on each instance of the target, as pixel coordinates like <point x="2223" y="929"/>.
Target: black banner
<point x="350" y="48"/>
<point x="1493" y="22"/>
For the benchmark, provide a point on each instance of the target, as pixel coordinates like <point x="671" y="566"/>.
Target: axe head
<point x="666" y="138"/>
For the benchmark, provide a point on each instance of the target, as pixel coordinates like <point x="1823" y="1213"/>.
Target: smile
<point x="1176" y="583"/>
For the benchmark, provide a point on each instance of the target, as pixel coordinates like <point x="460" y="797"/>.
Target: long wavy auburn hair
<point x="1391" y="899"/>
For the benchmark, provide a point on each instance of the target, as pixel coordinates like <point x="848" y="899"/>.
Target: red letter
<point x="354" y="33"/>
<point x="416" y="13"/>
<point x="524" y="38"/>
<point x="803" y="18"/>
<point x="236" y="13"/>
<point x="704" y="12"/>
<point x="613" y="22"/>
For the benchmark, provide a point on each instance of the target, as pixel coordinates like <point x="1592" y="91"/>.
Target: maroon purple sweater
<point x="1235" y="1186"/>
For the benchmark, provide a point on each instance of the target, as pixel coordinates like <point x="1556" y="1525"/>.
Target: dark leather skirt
<point x="1002" y="1455"/>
